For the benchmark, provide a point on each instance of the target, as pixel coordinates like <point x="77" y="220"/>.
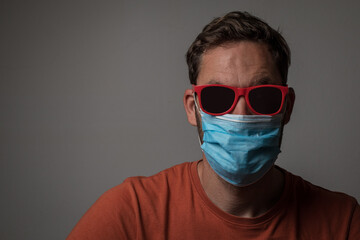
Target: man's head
<point x="237" y="50"/>
<point x="236" y="56"/>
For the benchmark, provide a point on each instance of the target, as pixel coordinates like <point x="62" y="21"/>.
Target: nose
<point x="241" y="107"/>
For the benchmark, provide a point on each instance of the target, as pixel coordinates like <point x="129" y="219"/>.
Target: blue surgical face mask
<point x="241" y="149"/>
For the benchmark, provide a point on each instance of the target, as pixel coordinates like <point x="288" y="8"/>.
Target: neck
<point x="249" y="201"/>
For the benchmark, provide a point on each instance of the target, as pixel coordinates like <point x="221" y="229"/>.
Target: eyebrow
<point x="263" y="81"/>
<point x="260" y="81"/>
<point x="213" y="81"/>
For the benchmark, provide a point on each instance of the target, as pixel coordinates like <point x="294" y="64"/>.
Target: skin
<point x="240" y="64"/>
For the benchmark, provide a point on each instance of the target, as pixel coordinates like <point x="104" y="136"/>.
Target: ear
<point x="289" y="105"/>
<point x="189" y="104"/>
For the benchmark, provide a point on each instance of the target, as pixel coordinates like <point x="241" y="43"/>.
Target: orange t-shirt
<point x="173" y="205"/>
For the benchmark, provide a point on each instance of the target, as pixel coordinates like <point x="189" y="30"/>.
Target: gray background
<point x="91" y="93"/>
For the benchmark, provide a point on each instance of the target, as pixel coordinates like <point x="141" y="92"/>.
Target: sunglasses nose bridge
<point x="241" y="92"/>
<point x="240" y="105"/>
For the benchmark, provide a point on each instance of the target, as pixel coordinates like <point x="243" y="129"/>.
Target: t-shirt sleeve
<point x="110" y="217"/>
<point x="354" y="233"/>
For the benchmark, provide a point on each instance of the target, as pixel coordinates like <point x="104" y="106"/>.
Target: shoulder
<point x="314" y="200"/>
<point x="322" y="210"/>
<point x="120" y="210"/>
<point x="172" y="175"/>
<point x="310" y="192"/>
<point x="142" y="187"/>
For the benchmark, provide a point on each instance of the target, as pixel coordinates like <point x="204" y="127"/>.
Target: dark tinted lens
<point x="217" y="99"/>
<point x="265" y="100"/>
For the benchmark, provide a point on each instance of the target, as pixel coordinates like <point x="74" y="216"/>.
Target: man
<point x="240" y="103"/>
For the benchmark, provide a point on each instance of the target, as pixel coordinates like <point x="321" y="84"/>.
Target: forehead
<point x="239" y="64"/>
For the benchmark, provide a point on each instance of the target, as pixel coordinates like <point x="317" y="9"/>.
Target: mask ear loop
<point x="283" y="112"/>
<point x="196" y="105"/>
<point x="197" y="110"/>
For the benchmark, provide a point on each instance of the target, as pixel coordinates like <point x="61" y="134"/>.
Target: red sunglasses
<point x="218" y="99"/>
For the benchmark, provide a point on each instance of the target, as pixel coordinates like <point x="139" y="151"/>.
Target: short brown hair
<point x="234" y="27"/>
